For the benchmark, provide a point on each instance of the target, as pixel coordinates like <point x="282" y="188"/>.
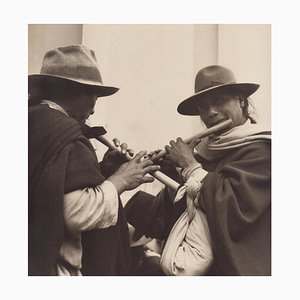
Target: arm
<point x="193" y="174"/>
<point x="88" y="202"/>
<point x="91" y="208"/>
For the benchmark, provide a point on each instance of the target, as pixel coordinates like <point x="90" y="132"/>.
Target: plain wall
<point x="151" y="64"/>
<point x="43" y="37"/>
<point x="246" y="49"/>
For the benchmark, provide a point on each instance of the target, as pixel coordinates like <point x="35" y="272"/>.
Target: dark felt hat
<point x="75" y="63"/>
<point x="214" y="79"/>
<point x="140" y="210"/>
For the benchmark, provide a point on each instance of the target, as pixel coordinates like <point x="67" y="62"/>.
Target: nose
<point x="212" y="111"/>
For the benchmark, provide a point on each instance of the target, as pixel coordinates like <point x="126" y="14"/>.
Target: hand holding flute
<point x="212" y="130"/>
<point x="133" y="173"/>
<point x="116" y="155"/>
<point x="114" y="158"/>
<point x="180" y="153"/>
<point x="118" y="165"/>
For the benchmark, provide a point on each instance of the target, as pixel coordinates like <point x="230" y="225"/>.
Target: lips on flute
<point x="159" y="175"/>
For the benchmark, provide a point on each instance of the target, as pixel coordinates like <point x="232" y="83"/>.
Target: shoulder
<point x="48" y="123"/>
<point x="259" y="148"/>
<point x="254" y="157"/>
<point x="44" y="115"/>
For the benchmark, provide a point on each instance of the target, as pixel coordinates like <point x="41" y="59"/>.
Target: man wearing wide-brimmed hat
<point x="228" y="175"/>
<point x="76" y="219"/>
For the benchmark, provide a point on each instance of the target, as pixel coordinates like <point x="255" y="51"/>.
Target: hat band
<point x="213" y="84"/>
<point x="76" y="73"/>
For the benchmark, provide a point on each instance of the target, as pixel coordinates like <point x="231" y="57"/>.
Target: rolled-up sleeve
<point x="91" y="208"/>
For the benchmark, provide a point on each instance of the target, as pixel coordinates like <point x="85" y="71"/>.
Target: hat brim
<point x="188" y="106"/>
<point x="101" y="90"/>
<point x="149" y="212"/>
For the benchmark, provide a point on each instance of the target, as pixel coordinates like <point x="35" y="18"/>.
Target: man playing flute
<point x="76" y="222"/>
<point x="228" y="177"/>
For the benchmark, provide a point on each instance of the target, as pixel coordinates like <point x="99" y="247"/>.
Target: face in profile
<point x="215" y="109"/>
<point x="83" y="106"/>
<point x="79" y="102"/>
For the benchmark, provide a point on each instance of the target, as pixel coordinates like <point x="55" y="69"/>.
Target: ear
<point x="242" y="103"/>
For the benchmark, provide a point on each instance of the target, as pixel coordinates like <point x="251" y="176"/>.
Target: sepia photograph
<point x="149" y="150"/>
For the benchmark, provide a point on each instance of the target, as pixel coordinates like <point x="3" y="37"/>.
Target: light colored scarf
<point x="216" y="146"/>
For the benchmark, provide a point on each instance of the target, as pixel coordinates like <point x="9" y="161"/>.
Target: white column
<point x="246" y="50"/>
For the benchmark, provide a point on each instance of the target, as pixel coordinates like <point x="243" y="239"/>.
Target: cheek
<point x="86" y="107"/>
<point x="90" y="105"/>
<point x="236" y="114"/>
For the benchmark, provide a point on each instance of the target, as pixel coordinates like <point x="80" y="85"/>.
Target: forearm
<point x="91" y="208"/>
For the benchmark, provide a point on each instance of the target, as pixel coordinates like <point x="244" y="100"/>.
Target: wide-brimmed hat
<point x="214" y="79"/>
<point x="75" y="63"/>
<point x="140" y="211"/>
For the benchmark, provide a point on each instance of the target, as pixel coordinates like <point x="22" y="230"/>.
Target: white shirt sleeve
<point x="91" y="208"/>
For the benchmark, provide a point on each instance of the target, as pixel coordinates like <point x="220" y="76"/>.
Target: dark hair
<point x="248" y="109"/>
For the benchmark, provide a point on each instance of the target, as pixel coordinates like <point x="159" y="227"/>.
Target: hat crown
<point x="211" y="80"/>
<point x="75" y="62"/>
<point x="212" y="76"/>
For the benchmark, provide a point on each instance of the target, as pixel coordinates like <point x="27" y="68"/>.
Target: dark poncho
<point x="62" y="160"/>
<point x="236" y="195"/>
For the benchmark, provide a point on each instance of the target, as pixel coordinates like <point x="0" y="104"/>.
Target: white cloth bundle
<point x="188" y="249"/>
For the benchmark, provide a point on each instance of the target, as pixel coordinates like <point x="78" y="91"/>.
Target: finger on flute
<point x="166" y="180"/>
<point x="206" y="132"/>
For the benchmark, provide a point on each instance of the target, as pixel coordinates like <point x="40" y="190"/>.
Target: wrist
<point x="187" y="172"/>
<point x="118" y="182"/>
<point x="189" y="164"/>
